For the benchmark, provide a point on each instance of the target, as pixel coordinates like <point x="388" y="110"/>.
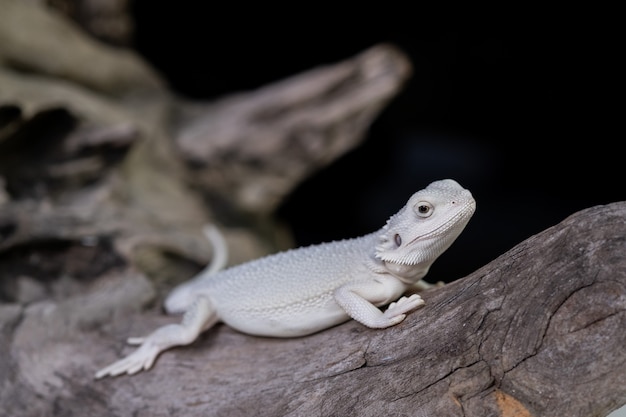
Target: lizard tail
<point x="220" y="250"/>
<point x="181" y="298"/>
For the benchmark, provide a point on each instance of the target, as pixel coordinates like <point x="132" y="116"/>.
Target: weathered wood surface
<point x="537" y="332"/>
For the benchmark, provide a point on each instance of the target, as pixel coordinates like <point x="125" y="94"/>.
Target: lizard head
<point x="424" y="228"/>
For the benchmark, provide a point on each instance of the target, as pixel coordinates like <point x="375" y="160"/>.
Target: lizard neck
<point x="408" y="274"/>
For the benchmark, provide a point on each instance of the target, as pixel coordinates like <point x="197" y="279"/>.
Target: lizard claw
<point x="135" y="340"/>
<point x="403" y="305"/>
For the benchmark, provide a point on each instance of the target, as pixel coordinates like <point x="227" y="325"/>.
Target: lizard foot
<point x="199" y="317"/>
<point x="140" y="360"/>
<point x="402" y="306"/>
<point x="143" y="358"/>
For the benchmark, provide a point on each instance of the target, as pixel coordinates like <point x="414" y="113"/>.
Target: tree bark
<point x="537" y="332"/>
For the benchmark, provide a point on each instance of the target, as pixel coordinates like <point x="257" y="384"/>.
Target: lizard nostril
<point x="397" y="239"/>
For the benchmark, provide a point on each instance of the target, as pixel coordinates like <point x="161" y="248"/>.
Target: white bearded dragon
<point x="305" y="290"/>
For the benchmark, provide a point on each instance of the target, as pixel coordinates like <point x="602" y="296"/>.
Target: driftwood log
<point x="106" y="179"/>
<point x="537" y="332"/>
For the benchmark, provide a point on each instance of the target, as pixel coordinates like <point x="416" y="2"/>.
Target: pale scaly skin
<point x="302" y="291"/>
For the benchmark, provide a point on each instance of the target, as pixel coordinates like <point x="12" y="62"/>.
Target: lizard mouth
<point x="405" y="271"/>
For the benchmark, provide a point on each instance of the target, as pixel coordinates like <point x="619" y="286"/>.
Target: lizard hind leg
<point x="200" y="316"/>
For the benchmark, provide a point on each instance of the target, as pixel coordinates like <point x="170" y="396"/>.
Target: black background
<point x="522" y="106"/>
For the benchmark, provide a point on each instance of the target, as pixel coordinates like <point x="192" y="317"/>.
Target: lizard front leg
<point x="200" y="316"/>
<point x="360" y="299"/>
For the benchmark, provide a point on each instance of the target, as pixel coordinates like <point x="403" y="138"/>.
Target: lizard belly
<point x="288" y="321"/>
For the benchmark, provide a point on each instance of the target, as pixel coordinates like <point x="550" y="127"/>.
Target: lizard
<point x="305" y="290"/>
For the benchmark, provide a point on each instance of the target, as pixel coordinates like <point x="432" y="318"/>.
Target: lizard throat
<point x="409" y="274"/>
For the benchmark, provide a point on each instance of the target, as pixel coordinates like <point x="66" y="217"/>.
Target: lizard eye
<point x="397" y="239"/>
<point x="423" y="209"/>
